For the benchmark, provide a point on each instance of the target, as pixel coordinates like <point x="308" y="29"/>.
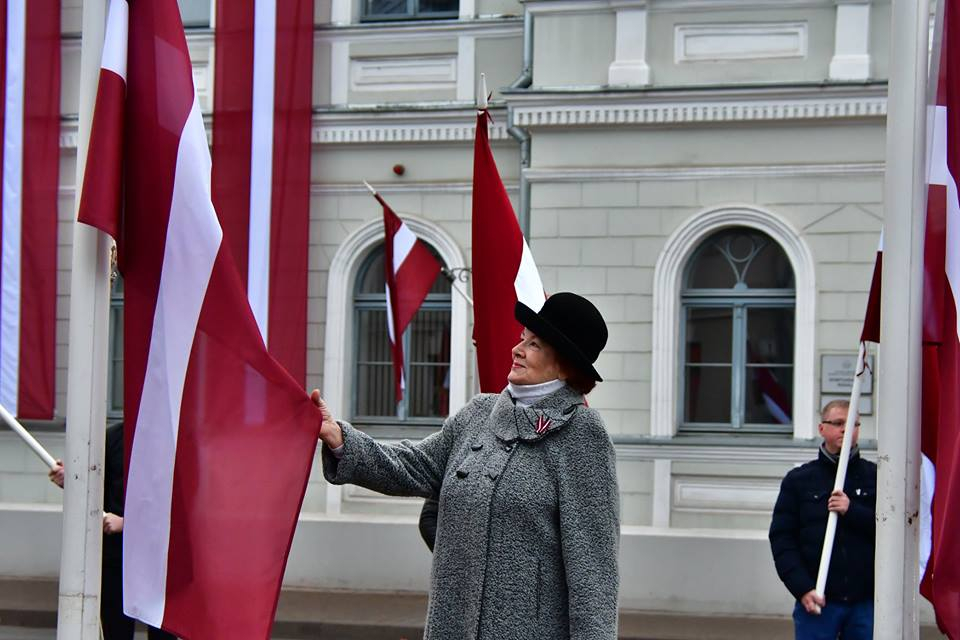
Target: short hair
<point x="834" y="404"/>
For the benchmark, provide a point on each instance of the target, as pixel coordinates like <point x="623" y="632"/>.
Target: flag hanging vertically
<point x="220" y="438"/>
<point x="410" y="270"/>
<point x="262" y="114"/>
<point x="940" y="401"/>
<point x="30" y="116"/>
<point x="503" y="268"/>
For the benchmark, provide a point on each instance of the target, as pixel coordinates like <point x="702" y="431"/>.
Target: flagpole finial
<point x="482" y="100"/>
<point x="367" y="185"/>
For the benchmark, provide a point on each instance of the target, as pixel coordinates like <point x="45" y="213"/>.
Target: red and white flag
<point x="30" y="116"/>
<point x="503" y="268"/>
<point x="410" y="270"/>
<point x="222" y="437"/>
<point x="940" y="401"/>
<point x="262" y="116"/>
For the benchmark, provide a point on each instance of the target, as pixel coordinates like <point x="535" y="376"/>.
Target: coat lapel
<point x="511" y="422"/>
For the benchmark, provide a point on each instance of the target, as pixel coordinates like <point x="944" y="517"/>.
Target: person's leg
<point x="826" y="626"/>
<point x="116" y="626"/>
<point x="859" y="622"/>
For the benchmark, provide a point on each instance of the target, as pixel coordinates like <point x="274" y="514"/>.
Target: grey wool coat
<point x="528" y="529"/>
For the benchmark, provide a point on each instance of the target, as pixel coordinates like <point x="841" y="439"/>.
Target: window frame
<point x="115" y="405"/>
<point x="376" y="302"/>
<point x="413" y="13"/>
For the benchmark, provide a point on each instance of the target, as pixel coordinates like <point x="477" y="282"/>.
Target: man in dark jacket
<point x="797" y="530"/>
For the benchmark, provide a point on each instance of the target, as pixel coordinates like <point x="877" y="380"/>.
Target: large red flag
<point x="222" y="437"/>
<point x="503" y="268"/>
<point x="940" y="435"/>
<point x="262" y="118"/>
<point x="410" y="270"/>
<point x="30" y="124"/>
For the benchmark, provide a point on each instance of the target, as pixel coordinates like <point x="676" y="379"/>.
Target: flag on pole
<point x="871" y="320"/>
<point x="940" y="433"/>
<point x="410" y="270"/>
<point x="220" y="438"/>
<point x="30" y="116"/>
<point x="262" y="118"/>
<point x="503" y="268"/>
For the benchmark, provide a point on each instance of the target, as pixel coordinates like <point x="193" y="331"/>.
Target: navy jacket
<point x="800" y="520"/>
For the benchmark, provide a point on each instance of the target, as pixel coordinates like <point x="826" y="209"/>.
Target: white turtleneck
<point x="527" y="394"/>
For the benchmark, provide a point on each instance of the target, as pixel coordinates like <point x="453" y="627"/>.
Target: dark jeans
<point x="837" y="620"/>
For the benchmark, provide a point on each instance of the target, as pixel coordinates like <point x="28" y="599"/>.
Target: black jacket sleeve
<point x="785" y="541"/>
<point x="428" y="521"/>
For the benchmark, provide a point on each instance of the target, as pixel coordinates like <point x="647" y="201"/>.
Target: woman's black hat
<point x="571" y="325"/>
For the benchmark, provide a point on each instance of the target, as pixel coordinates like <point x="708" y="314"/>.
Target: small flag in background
<point x="222" y="437"/>
<point x="503" y="268"/>
<point x="410" y="271"/>
<point x="30" y="114"/>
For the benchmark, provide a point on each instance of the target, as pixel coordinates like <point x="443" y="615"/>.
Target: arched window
<point x="737" y="335"/>
<point x="426" y="348"/>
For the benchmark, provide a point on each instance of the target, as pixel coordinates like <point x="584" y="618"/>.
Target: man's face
<point x="832" y="427"/>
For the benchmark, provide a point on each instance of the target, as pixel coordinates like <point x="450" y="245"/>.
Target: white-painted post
<point x="79" y="606"/>
<point x="630" y="67"/>
<point x="898" y="478"/>
<point x="851" y="52"/>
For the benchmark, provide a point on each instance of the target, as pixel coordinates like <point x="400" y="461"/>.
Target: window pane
<point x="770" y="335"/>
<point x="711" y="270"/>
<point x="769" y="397"/>
<point x="371" y="279"/>
<point x="428" y="388"/>
<point x="375" y="393"/>
<point x="770" y="269"/>
<point x="115" y="396"/>
<point x="439" y="6"/>
<point x="386" y="7"/>
<point x="709" y="334"/>
<point x="707" y="394"/>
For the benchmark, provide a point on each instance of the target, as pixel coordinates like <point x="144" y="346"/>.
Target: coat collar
<point x="512" y="422"/>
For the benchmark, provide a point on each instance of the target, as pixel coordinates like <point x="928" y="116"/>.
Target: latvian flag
<point x="261" y="161"/>
<point x="30" y="35"/>
<point x="940" y="400"/>
<point x="410" y="270"/>
<point x="220" y="438"/>
<point x="503" y="268"/>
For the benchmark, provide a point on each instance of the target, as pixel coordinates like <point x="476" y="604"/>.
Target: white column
<point x="662" y="492"/>
<point x="466" y="69"/>
<point x="898" y="477"/>
<point x="79" y="605"/>
<point x="851" y="50"/>
<point x="341" y="12"/>
<point x="468" y="9"/>
<point x="630" y="66"/>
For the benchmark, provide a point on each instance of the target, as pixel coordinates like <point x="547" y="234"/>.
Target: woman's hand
<point x="330" y="433"/>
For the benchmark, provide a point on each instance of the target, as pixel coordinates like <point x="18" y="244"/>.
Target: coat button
<point x="508" y="446"/>
<point x="476" y="446"/>
<point x="492" y="475"/>
<point x="462" y="473"/>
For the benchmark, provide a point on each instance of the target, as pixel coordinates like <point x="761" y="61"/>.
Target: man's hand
<point x="838" y="502"/>
<point x="112" y="523"/>
<point x="812" y="602"/>
<point x="330" y="432"/>
<point x="56" y="474"/>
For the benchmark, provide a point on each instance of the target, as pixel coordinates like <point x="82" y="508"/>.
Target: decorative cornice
<point x="417" y="30"/>
<point x="664" y="111"/>
<point x="453" y="125"/>
<point x="379" y="127"/>
<point x="797" y="452"/>
<point x="459" y="188"/>
<point x="546" y="7"/>
<point x="661" y="174"/>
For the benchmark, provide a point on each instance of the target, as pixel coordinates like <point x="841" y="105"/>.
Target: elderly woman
<point x="528" y="524"/>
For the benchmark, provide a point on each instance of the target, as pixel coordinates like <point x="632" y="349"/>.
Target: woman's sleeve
<point x="590" y="530"/>
<point x="404" y="469"/>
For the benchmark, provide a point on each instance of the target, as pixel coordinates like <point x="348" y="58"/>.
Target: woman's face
<point x="534" y="361"/>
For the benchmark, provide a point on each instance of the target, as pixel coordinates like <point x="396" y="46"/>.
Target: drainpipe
<point x="520" y="134"/>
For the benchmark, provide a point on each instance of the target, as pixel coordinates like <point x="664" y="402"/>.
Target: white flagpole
<point x="853" y="414"/>
<point x="25" y="435"/>
<point x="79" y="608"/>
<point x="898" y="476"/>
